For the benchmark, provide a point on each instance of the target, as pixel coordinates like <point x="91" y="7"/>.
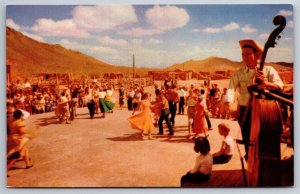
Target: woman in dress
<point x="190" y="101"/>
<point x="143" y="120"/>
<point x="18" y="138"/>
<point x="199" y="119"/>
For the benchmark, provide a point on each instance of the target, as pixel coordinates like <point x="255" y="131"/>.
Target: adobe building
<point x="9" y="70"/>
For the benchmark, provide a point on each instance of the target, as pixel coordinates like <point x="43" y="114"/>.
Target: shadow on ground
<point x="127" y="137"/>
<point x="46" y="121"/>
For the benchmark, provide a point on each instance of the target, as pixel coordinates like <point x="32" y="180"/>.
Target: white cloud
<point x="161" y="19"/>
<point x="154" y="41"/>
<point x="99" y="50"/>
<point x="288" y="38"/>
<point x="138" y="32"/>
<point x="231" y="26"/>
<point x="248" y="29"/>
<point x="290" y="24"/>
<point x="198" y="52"/>
<point x="264" y="36"/>
<point x="211" y="30"/>
<point x="106" y="40"/>
<point x="63" y="28"/>
<point x="195" y="30"/>
<point x="88" y="49"/>
<point x="284" y="12"/>
<point x="167" y="17"/>
<point x="103" y="17"/>
<point x="11" y="23"/>
<point x="34" y="36"/>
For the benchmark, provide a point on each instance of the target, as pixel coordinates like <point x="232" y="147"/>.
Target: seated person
<point x="203" y="165"/>
<point x="225" y="153"/>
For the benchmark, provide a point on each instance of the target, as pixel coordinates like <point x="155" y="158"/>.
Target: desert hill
<point x="212" y="64"/>
<point x="31" y="57"/>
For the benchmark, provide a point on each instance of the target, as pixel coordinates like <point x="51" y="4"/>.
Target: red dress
<point x="199" y="119"/>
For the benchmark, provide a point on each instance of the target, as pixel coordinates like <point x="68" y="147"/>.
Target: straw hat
<point x="252" y="43"/>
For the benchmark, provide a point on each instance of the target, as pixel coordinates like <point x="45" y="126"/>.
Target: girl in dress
<point x="225" y="153"/>
<point x="143" y="120"/>
<point x="199" y="119"/>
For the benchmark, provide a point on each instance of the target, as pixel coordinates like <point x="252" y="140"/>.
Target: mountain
<point x="212" y="64"/>
<point x="32" y="57"/>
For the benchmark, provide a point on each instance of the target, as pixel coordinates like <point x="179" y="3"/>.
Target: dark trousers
<point x="165" y="116"/>
<point x="173" y="110"/>
<point x="198" y="177"/>
<point x="221" y="159"/>
<point x="91" y="107"/>
<point x="181" y="105"/>
<point x="129" y="103"/>
<point x="246" y="128"/>
<point x="208" y="121"/>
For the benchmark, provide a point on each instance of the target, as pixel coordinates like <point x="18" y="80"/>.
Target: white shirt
<point x="182" y="93"/>
<point x="226" y="98"/>
<point x="243" y="78"/>
<point x="203" y="164"/>
<point x="102" y="94"/>
<point x="109" y="92"/>
<point x="228" y="145"/>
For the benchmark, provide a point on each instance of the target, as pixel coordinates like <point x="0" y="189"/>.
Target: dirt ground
<point x="109" y="153"/>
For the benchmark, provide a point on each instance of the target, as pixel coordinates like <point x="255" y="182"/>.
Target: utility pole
<point x="133" y="67"/>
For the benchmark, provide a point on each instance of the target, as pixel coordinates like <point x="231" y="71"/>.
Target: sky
<point x="158" y="35"/>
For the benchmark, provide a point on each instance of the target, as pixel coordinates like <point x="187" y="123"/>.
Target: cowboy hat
<point x="253" y="44"/>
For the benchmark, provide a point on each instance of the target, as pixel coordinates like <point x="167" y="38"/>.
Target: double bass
<point x="264" y="155"/>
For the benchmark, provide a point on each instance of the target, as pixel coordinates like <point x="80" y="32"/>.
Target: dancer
<point x="199" y="119"/>
<point x="190" y="101"/>
<point x="143" y="120"/>
<point x="18" y="138"/>
<point x="164" y="105"/>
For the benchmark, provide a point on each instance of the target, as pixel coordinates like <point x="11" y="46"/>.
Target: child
<point x="203" y="165"/>
<point x="225" y="153"/>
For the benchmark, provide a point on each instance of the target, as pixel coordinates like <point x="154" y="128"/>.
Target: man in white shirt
<point x="182" y="95"/>
<point x="251" y="53"/>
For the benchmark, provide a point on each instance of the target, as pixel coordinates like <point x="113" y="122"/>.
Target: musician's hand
<point x="263" y="81"/>
<point x="260" y="78"/>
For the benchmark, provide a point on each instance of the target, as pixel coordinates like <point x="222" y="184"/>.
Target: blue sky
<point x="158" y="35"/>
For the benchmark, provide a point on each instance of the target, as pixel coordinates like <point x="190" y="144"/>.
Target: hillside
<point x="212" y="64"/>
<point x="32" y="57"/>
